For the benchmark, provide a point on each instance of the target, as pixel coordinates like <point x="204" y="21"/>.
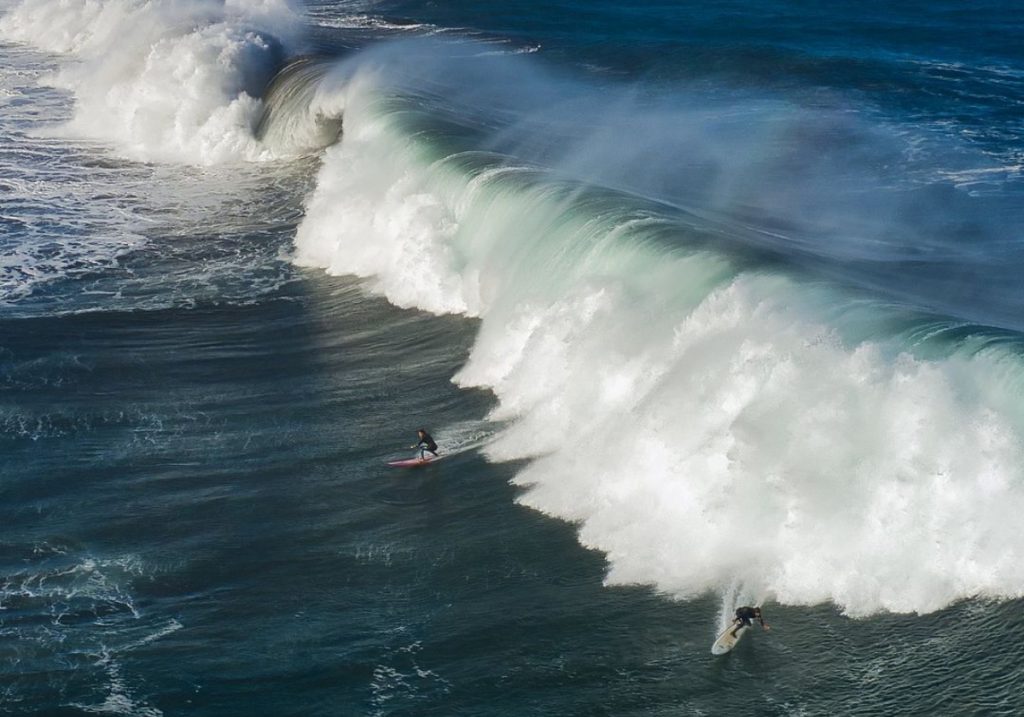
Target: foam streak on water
<point x="58" y="222"/>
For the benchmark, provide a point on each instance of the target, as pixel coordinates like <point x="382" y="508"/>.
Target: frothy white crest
<point x="388" y="224"/>
<point x="747" y="443"/>
<point x="159" y="80"/>
<point x="707" y="427"/>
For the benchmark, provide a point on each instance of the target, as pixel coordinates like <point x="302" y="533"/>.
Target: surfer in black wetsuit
<point x="743" y="617"/>
<point x="426" y="444"/>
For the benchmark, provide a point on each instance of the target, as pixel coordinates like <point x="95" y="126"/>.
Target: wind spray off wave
<point x="706" y="412"/>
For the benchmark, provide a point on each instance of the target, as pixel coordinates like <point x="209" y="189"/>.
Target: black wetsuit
<point x="427" y="444"/>
<point x="746" y="614"/>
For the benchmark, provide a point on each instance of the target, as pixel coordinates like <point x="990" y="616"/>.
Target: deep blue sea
<point x="707" y="305"/>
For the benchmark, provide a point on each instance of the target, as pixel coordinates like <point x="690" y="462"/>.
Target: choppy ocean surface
<point x="707" y="304"/>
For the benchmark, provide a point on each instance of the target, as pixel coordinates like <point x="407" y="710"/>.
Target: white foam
<point x="362" y="21"/>
<point x="67" y="588"/>
<point x="389" y="225"/>
<point x="159" y="80"/>
<point x="754" y="446"/>
<point x="706" y="427"/>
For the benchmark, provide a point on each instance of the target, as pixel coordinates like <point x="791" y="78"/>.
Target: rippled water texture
<point x="706" y="305"/>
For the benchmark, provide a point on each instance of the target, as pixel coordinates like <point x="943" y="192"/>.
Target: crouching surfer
<point x="426" y="444"/>
<point x="744" y="615"/>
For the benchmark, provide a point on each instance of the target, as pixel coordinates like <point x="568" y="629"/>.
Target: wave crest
<point x="708" y="418"/>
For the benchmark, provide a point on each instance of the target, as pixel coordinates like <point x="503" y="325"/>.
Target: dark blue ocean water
<point x="706" y="304"/>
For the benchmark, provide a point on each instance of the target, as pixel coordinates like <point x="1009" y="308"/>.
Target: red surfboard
<point x="412" y="462"/>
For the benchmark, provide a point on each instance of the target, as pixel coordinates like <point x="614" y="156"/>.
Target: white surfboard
<point x="726" y="641"/>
